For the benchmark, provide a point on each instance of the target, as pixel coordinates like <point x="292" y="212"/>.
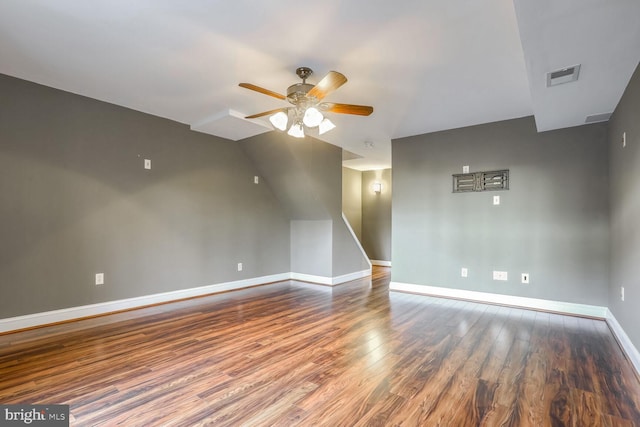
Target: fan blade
<point x="360" y="110"/>
<point x="332" y="81"/>
<point x="266" y="113"/>
<point x="262" y="90"/>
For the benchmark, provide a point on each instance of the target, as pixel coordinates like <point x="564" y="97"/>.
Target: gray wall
<point x="347" y="256"/>
<point x="306" y="176"/>
<point x="376" y="214"/>
<point x="625" y="210"/>
<point x="352" y="199"/>
<point x="312" y="247"/>
<point x="552" y="223"/>
<point x="297" y="171"/>
<point x="75" y="200"/>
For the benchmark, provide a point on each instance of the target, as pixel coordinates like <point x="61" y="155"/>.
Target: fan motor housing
<point x="298" y="92"/>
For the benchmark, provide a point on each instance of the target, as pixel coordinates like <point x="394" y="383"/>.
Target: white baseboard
<point x="381" y="263"/>
<point x="66" y="314"/>
<point x="523" y="302"/>
<point x="330" y="281"/>
<point x="351" y="276"/>
<point x="323" y="280"/>
<point x="72" y="313"/>
<point x="627" y="346"/>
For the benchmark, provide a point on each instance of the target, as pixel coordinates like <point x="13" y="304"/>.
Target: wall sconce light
<point x="377" y="187"/>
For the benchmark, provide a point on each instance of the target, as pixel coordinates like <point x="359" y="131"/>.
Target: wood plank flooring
<point x="299" y="354"/>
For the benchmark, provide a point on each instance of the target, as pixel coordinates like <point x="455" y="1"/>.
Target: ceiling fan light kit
<point x="325" y="126"/>
<point x="296" y="130"/>
<point x="312" y="117"/>
<point x="279" y="120"/>
<point x="307" y="110"/>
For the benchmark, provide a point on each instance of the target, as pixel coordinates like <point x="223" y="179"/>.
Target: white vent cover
<point x="563" y="75"/>
<point x="594" y="118"/>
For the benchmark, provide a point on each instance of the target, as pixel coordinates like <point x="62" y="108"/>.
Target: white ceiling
<point x="425" y="65"/>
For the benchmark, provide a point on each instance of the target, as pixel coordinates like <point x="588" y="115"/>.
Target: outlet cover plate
<point x="500" y="275"/>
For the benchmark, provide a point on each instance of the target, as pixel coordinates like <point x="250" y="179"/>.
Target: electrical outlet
<point x="147" y="163"/>
<point x="239" y="266"/>
<point x="99" y="279"/>
<point x="525" y="278"/>
<point x="465" y="169"/>
<point x="621" y="293"/>
<point x="464" y="272"/>
<point x="256" y="179"/>
<point x="496" y="200"/>
<point x="500" y="275"/>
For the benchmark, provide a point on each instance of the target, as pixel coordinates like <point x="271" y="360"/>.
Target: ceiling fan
<point x="308" y="107"/>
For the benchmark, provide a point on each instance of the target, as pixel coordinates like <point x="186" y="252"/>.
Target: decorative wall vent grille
<point x="481" y="181"/>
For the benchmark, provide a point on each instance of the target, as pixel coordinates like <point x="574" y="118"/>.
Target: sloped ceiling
<point x="424" y="65"/>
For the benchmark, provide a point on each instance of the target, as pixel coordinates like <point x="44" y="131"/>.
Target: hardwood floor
<point x="299" y="354"/>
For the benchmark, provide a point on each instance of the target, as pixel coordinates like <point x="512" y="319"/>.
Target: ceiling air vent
<point x="563" y="75"/>
<point x="595" y="118"/>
